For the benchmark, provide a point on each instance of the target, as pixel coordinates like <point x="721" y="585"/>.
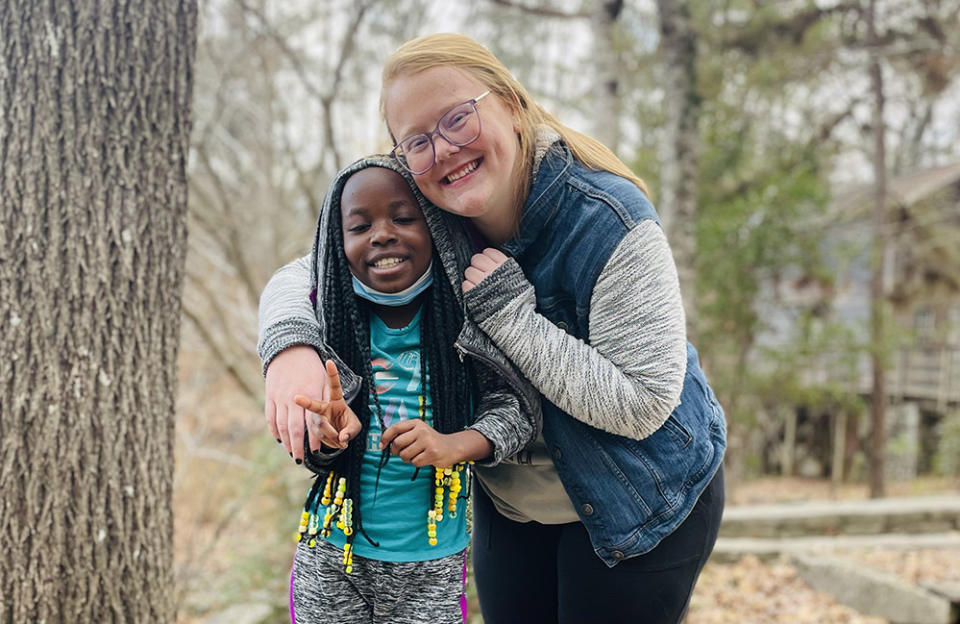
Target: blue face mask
<point x="396" y="299"/>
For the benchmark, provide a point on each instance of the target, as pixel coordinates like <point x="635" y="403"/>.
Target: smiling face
<point x="475" y="180"/>
<point x="385" y="236"/>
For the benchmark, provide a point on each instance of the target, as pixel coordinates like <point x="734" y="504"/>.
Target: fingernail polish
<point x="299" y="461"/>
<point x="279" y="441"/>
<point x="289" y="453"/>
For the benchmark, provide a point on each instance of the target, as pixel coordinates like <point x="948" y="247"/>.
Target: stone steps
<point x="876" y="593"/>
<point x="729" y="549"/>
<point x="928" y="514"/>
<point x="809" y="532"/>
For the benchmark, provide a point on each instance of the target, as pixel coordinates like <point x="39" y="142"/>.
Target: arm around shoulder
<point x="286" y="315"/>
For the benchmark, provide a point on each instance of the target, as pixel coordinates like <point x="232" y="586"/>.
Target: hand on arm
<point x="482" y="265"/>
<point x="417" y="443"/>
<point x="331" y="422"/>
<point x="295" y="370"/>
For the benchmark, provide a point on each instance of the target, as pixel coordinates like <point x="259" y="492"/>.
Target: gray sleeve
<point x="286" y="314"/>
<point x="628" y="380"/>
<point x="501" y="420"/>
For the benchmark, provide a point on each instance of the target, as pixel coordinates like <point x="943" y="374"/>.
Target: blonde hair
<point x="462" y="52"/>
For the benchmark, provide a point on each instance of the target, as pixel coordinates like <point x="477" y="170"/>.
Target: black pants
<point x="540" y="573"/>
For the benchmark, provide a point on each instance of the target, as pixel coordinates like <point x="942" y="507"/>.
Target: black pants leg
<point x="530" y="572"/>
<point x="514" y="566"/>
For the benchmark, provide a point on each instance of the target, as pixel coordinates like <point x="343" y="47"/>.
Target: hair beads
<point x="326" y="490"/>
<point x="338" y="510"/>
<point x="448" y="477"/>
<point x="454" y="489"/>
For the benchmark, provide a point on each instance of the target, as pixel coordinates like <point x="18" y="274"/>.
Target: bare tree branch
<point x="346" y="49"/>
<point x="327" y="98"/>
<point x="234" y="248"/>
<point x="287" y="51"/>
<point x="824" y="133"/>
<point x="227" y="362"/>
<point x="542" y="10"/>
<point x="795" y="27"/>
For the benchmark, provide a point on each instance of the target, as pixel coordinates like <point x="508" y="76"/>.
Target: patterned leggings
<point x="375" y="592"/>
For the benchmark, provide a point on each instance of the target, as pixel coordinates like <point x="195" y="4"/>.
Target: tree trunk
<point x="603" y="19"/>
<point x="878" y="439"/>
<point x="681" y="158"/>
<point x="94" y="128"/>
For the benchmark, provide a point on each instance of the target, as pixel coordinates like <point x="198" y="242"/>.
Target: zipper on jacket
<point x="511" y="377"/>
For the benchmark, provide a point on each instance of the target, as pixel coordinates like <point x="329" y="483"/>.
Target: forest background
<point x="159" y="160"/>
<point x="748" y="119"/>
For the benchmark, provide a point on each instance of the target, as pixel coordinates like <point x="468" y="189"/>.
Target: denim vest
<point x="630" y="494"/>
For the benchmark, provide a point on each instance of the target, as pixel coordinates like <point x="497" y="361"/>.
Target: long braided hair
<point x="347" y="330"/>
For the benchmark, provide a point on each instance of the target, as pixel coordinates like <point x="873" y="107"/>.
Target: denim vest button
<point x="563" y="326"/>
<point x="557" y="455"/>
<point x="617" y="555"/>
<point x="587" y="509"/>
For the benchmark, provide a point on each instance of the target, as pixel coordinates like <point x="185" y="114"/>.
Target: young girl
<point x="382" y="536"/>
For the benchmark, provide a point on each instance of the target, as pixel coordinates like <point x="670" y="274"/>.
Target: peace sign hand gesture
<point x="331" y="423"/>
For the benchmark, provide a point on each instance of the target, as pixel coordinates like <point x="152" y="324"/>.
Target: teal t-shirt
<point x="395" y="510"/>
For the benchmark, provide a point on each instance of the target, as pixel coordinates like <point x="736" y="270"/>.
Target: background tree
<point x="680" y="166"/>
<point x="878" y="363"/>
<point x="94" y="131"/>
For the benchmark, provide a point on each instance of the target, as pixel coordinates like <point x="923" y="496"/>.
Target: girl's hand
<point x="295" y="370"/>
<point x="482" y="265"/>
<point x="332" y="422"/>
<point x="419" y="444"/>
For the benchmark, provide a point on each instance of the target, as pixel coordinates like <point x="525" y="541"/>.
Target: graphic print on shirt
<point x="402" y="377"/>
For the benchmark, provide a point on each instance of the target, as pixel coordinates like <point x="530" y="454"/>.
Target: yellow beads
<point x="326" y="490"/>
<point x="454" y="492"/>
<point x="341" y="490"/>
<point x="432" y="527"/>
<point x="448" y="477"/>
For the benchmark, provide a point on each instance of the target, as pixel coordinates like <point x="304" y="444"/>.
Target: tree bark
<point x="681" y="158"/>
<point x="878" y="438"/>
<point x="94" y="129"/>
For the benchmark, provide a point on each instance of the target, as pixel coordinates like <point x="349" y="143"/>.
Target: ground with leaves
<point x="772" y="593"/>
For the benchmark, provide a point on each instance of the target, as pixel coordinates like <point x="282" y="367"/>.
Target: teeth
<point x="384" y="263"/>
<point x="456" y="175"/>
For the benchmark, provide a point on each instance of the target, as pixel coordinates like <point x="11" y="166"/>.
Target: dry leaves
<point x="764" y="593"/>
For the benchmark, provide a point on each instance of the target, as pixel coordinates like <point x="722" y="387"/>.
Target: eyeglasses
<point x="459" y="126"/>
